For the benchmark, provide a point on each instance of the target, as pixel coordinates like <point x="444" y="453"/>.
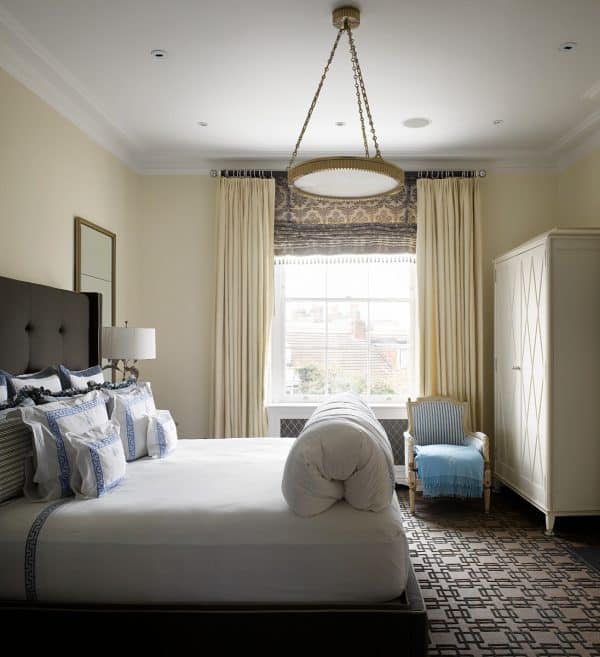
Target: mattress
<point x="207" y="524"/>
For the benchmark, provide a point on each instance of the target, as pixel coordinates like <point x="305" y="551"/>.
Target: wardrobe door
<point x="533" y="448"/>
<point x="507" y="350"/>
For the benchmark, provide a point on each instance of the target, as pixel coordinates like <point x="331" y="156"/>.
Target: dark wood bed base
<point x="397" y="628"/>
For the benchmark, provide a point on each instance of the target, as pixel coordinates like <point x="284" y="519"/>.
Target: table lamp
<point x="122" y="344"/>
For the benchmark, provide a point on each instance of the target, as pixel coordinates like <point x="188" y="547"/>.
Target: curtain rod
<point x="411" y="175"/>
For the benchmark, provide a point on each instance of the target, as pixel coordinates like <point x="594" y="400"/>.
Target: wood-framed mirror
<point x="95" y="265"/>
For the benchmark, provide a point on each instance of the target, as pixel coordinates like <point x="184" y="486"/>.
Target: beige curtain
<point x="449" y="291"/>
<point x="244" y="305"/>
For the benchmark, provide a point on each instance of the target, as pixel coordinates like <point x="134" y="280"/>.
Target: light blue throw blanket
<point x="450" y="470"/>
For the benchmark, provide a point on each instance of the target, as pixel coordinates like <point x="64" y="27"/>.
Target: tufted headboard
<point x="42" y="326"/>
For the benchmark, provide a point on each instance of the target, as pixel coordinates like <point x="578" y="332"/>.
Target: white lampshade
<point x="120" y="342"/>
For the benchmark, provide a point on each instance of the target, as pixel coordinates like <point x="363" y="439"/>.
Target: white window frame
<point x="277" y="397"/>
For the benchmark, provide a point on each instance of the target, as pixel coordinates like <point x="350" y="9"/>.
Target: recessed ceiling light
<point x="340" y="124"/>
<point x="159" y="54"/>
<point x="498" y="121"/>
<point x="567" y="46"/>
<point x="202" y="124"/>
<point x="417" y="122"/>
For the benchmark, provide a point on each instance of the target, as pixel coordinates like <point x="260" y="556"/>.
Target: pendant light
<point x="344" y="177"/>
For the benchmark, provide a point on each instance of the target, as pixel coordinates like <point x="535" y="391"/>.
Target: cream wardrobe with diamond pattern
<point x="547" y="372"/>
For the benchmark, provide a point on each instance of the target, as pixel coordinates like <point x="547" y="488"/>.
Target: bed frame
<point x="41" y="326"/>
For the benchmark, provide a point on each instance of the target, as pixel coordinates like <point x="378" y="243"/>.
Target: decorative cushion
<point x="50" y="423"/>
<point x="78" y="380"/>
<point x="438" y="422"/>
<point x="162" y="434"/>
<point x="47" y="379"/>
<point x="98" y="460"/>
<point x="132" y="411"/>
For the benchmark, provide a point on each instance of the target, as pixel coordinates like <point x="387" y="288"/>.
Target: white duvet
<point x="342" y="453"/>
<point x="207" y="524"/>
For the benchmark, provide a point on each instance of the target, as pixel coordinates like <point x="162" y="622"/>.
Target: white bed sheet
<point x="208" y="524"/>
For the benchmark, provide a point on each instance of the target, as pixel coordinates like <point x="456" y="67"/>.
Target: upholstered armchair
<point x="443" y="454"/>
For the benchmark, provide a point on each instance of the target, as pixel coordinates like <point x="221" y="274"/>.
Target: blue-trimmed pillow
<point x="132" y="411"/>
<point x="47" y="379"/>
<point x="162" y="435"/>
<point x="98" y="460"/>
<point x="3" y="389"/>
<point x="78" y="379"/>
<point x="50" y="423"/>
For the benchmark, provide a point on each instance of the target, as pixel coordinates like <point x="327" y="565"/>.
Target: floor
<point x="496" y="586"/>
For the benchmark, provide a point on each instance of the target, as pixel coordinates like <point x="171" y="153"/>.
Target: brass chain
<point x="354" y="60"/>
<point x="363" y="90"/>
<point x="316" y="97"/>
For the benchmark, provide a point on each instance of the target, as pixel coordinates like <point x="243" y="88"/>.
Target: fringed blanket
<point x="450" y="470"/>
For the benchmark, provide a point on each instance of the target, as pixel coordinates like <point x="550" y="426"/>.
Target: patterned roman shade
<point x="310" y="226"/>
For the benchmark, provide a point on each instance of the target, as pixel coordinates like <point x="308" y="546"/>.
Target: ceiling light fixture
<point x="339" y="176"/>
<point x="567" y="46"/>
<point x="417" y="122"/>
<point x="159" y="54"/>
<point x="498" y="121"/>
<point x="203" y="124"/>
<point x="340" y="124"/>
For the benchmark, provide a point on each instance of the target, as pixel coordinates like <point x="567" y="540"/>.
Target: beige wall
<point x="515" y="207"/>
<point x="178" y="271"/>
<point x="579" y="192"/>
<point x="49" y="173"/>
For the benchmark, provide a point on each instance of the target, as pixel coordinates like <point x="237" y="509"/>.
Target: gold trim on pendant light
<point x="345" y="177"/>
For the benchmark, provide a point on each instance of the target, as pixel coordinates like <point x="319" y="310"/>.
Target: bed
<point x="200" y="546"/>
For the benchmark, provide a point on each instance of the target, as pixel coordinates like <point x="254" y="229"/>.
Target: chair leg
<point x="487" y="488"/>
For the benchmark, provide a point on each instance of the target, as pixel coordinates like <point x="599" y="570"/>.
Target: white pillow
<point x="78" y="380"/>
<point x="132" y="410"/>
<point x="50" y="423"/>
<point x="98" y="460"/>
<point x="51" y="382"/>
<point x="3" y="389"/>
<point x="162" y="434"/>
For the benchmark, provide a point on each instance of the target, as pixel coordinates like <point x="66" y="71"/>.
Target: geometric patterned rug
<point x="496" y="586"/>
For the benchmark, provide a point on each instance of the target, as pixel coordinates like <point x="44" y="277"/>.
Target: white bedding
<point x="207" y="524"/>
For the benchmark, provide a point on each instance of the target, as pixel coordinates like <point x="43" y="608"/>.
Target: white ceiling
<point x="250" y="69"/>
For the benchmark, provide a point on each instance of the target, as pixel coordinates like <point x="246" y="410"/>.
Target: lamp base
<point x="128" y="368"/>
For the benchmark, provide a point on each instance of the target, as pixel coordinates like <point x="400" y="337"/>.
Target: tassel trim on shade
<point x="451" y="486"/>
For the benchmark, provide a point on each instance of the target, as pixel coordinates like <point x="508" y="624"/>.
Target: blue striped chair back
<point x="438" y="422"/>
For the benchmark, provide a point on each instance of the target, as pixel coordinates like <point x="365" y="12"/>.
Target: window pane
<point x="390" y="279"/>
<point x="389" y="354"/>
<point x="304" y="348"/>
<point x="305" y="280"/>
<point x="347" y="347"/>
<point x="348" y="279"/>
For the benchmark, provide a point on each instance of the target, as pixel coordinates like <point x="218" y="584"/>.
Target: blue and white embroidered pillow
<point x="131" y="411"/>
<point x="162" y="434"/>
<point x="47" y="379"/>
<point x="3" y="389"/>
<point x="98" y="460"/>
<point x="78" y="380"/>
<point x="50" y="423"/>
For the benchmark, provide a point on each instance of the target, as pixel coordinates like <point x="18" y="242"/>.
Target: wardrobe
<point x="547" y="372"/>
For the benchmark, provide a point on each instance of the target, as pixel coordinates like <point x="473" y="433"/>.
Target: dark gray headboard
<point x="42" y="326"/>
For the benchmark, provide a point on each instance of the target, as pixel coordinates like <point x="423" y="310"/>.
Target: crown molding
<point x="31" y="64"/>
<point x="22" y="57"/>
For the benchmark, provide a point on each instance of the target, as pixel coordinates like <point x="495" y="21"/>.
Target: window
<point x="344" y="323"/>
